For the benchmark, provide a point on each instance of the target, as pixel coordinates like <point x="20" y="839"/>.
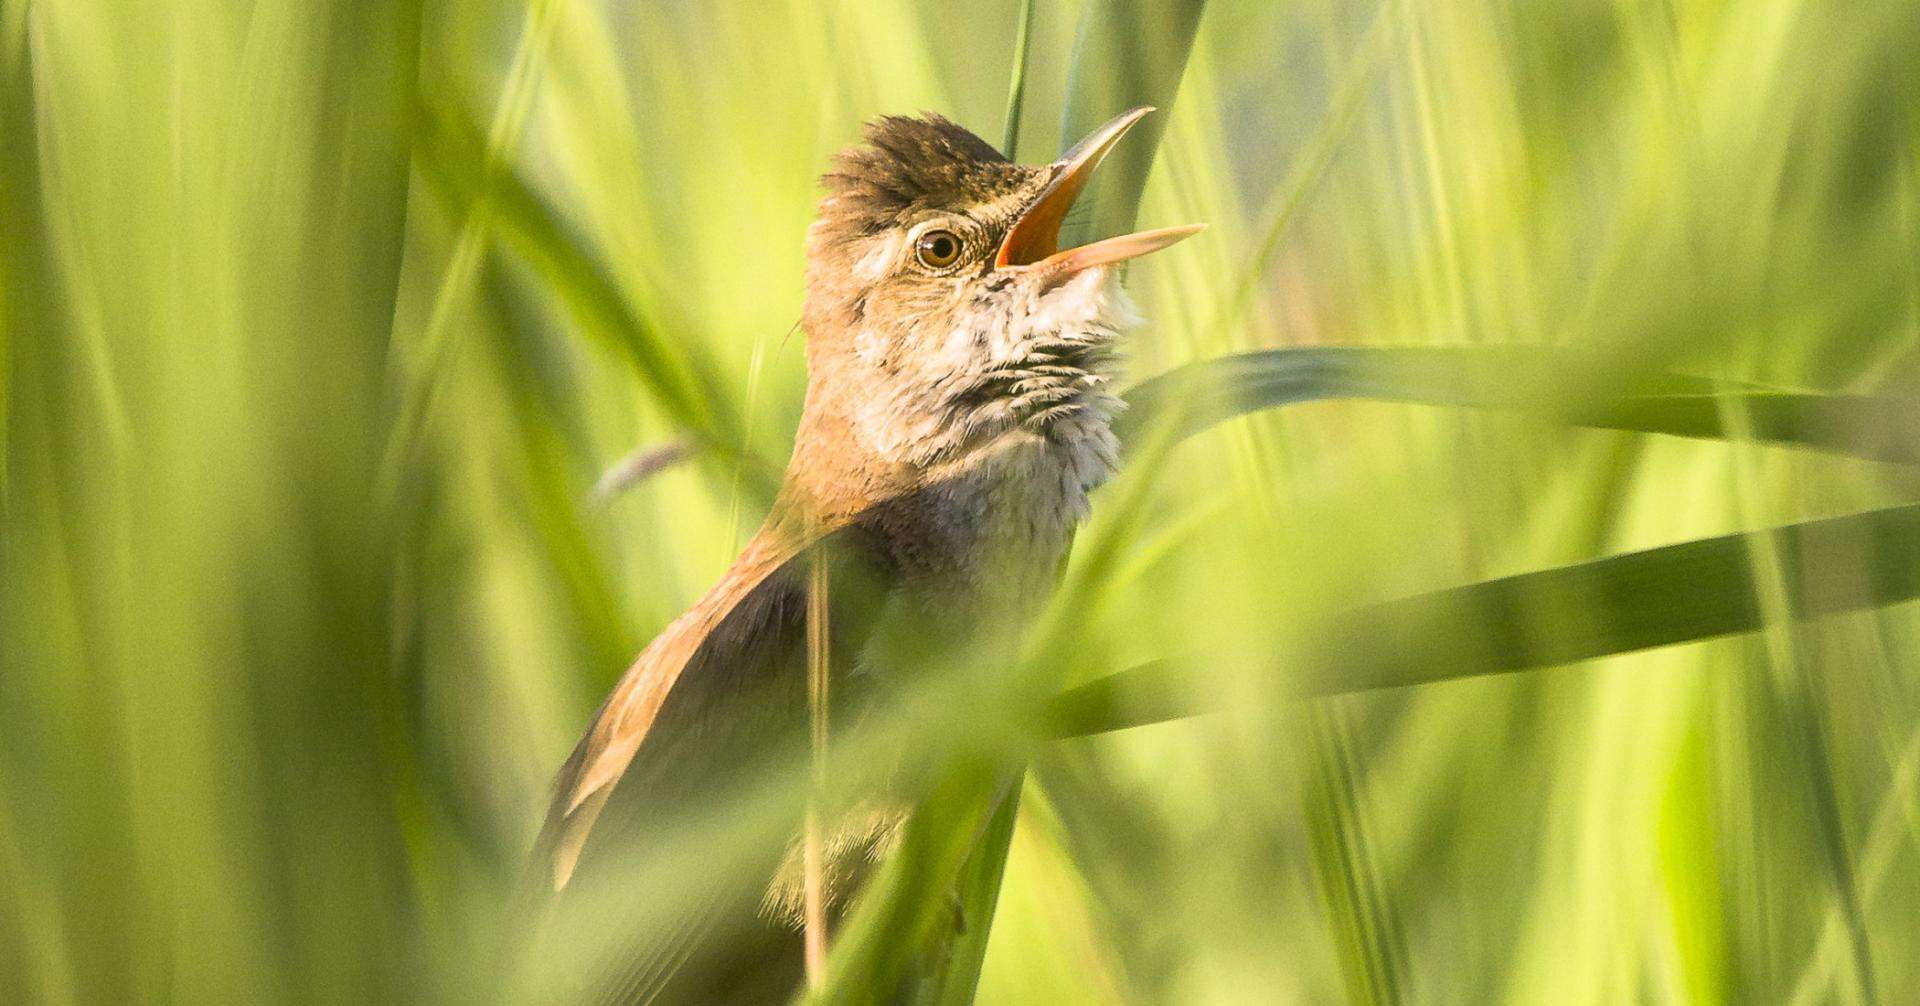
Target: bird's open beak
<point x="1034" y="240"/>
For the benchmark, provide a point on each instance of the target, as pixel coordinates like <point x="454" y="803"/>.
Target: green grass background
<point x="321" y="320"/>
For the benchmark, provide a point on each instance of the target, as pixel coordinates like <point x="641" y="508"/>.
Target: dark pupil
<point x="939" y="248"/>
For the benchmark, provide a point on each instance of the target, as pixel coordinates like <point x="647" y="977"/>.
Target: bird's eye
<point x="937" y="249"/>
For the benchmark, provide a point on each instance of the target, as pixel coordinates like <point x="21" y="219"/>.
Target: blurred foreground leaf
<point x="895" y="943"/>
<point x="1674" y="594"/>
<point x="678" y="375"/>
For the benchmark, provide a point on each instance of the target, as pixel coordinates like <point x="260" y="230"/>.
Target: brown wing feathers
<point x="587" y="779"/>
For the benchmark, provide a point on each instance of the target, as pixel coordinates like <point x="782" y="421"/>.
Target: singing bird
<point x="956" y="419"/>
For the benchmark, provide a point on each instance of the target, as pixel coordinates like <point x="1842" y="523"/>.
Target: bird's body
<point x="956" y="421"/>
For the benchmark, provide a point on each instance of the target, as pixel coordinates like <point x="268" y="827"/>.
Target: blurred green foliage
<point x="320" y="322"/>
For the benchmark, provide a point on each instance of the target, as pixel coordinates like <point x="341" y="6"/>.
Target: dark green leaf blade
<point x="1659" y="597"/>
<point x="1553" y="383"/>
<point x="1126" y="53"/>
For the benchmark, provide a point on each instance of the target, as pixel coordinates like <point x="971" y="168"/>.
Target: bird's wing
<point x="587" y="779"/>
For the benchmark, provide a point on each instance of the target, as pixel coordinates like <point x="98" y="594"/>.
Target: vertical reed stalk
<point x="819" y="650"/>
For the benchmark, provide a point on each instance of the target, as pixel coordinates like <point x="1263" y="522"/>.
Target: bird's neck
<point x="981" y="433"/>
<point x="1014" y="361"/>
<point x="979" y="503"/>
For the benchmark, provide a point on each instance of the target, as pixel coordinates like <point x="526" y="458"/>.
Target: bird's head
<point x="941" y="311"/>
